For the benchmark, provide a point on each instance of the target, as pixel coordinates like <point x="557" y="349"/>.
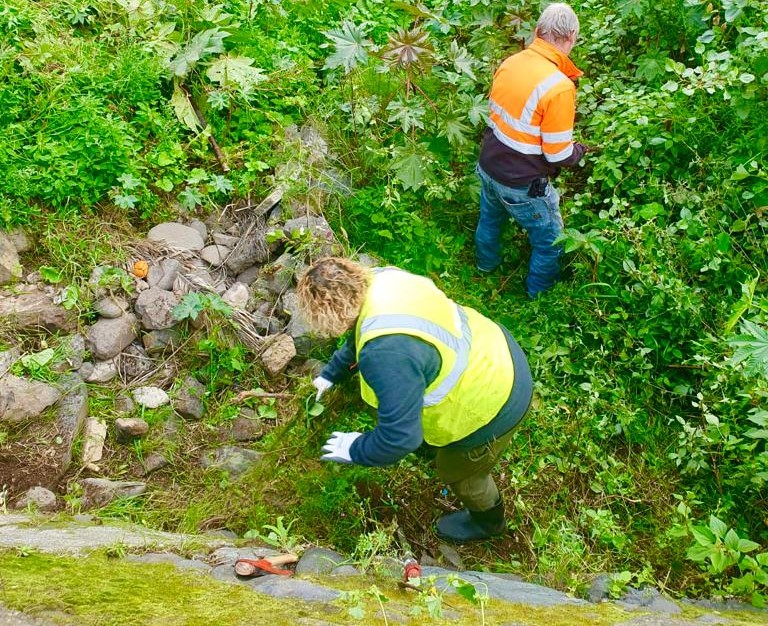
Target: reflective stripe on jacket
<point x="476" y="373"/>
<point x="533" y="102"/>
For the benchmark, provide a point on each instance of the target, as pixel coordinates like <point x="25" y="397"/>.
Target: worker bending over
<point x="436" y="372"/>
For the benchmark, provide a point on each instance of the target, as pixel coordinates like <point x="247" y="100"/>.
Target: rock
<point x="318" y="561"/>
<point x="237" y="296"/>
<point x="163" y="275"/>
<point x="267" y="203"/>
<point x="188" y="399"/>
<point x="124" y="404"/>
<point x="71" y="350"/>
<point x="150" y="397"/>
<point x="648" y="599"/>
<point x="154" y="306"/>
<point x="200" y="227"/>
<point x="245" y="429"/>
<point x="98" y="492"/>
<point x="249" y="275"/>
<point x="451" y="555"/>
<point x="72" y="413"/>
<point x="297" y="327"/>
<point x="600" y="589"/>
<point x="108" y="337"/>
<point x="20" y="240"/>
<point x="345" y="570"/>
<point x="24" y="398"/>
<point x="38" y="498"/>
<point x="282" y="587"/>
<point x="111" y="307"/>
<point x="367" y="260"/>
<point x="234" y="460"/>
<point x="152" y="463"/>
<point x="316" y="225"/>
<point x="7" y="359"/>
<point x="251" y="250"/>
<point x="130" y="428"/>
<point x="215" y="255"/>
<point x="228" y="241"/>
<point x="134" y="363"/>
<point x="279" y="353"/>
<point x="99" y="372"/>
<point x="32" y="308"/>
<point x="177" y="236"/>
<point x="501" y="589"/>
<point x="314" y="143"/>
<point x="158" y="341"/>
<point x="279" y="275"/>
<point x="10" y="268"/>
<point x="93" y="444"/>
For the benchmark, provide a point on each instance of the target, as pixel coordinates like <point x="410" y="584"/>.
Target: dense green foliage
<point x="647" y="448"/>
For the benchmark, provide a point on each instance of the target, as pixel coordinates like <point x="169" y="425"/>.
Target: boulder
<point x="154" y="306"/>
<point x="32" y="308"/>
<point x="215" y="255"/>
<point x="20" y="240"/>
<point x="200" y="227"/>
<point x="22" y="399"/>
<point x="150" y="397"/>
<point x="108" y="337"/>
<point x="93" y="442"/>
<point x="177" y="236"/>
<point x="111" y="307"/>
<point x="237" y="296"/>
<point x="7" y="359"/>
<point x="72" y="415"/>
<point x="251" y="250"/>
<point x="10" y="268"/>
<point x="188" y="399"/>
<point x="158" y="341"/>
<point x="279" y="353"/>
<point x="163" y="275"/>
<point x="234" y="460"/>
<point x="38" y="498"/>
<point x="98" y="492"/>
<point x="99" y="372"/>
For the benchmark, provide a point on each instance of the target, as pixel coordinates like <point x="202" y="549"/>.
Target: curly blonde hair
<point x="331" y="294"/>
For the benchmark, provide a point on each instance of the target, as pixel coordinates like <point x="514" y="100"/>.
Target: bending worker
<point x="529" y="138"/>
<point x="437" y="372"/>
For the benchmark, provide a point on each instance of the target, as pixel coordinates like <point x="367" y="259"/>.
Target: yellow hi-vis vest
<point x="476" y="374"/>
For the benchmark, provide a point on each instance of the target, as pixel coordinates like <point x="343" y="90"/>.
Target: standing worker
<point x="437" y="372"/>
<point x="529" y="138"/>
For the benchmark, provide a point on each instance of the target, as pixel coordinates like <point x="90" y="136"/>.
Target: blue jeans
<point x="540" y="217"/>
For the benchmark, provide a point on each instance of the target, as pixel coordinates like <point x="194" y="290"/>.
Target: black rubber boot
<point x="465" y="526"/>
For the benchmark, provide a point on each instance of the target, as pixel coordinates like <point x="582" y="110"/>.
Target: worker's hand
<point x="322" y="385"/>
<point x="337" y="447"/>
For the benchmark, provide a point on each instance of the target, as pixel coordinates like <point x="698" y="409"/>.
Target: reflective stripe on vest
<point x="524" y="125"/>
<point x="460" y="345"/>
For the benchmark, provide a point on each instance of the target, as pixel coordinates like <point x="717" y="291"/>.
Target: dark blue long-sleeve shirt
<point x="399" y="368"/>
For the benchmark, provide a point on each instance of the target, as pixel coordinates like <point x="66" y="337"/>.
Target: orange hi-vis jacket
<point x="533" y="102"/>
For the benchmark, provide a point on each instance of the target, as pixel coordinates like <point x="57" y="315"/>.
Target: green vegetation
<point x="645" y="452"/>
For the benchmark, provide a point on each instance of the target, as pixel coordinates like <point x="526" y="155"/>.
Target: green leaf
<point x="351" y="47"/>
<point x="409" y="114"/>
<point x="745" y="545"/>
<point x="719" y="562"/>
<point x="453" y="128"/>
<point x="742" y="306"/>
<point x="50" y="274"/>
<point x="703" y="535"/>
<point x="235" y="70"/>
<point x="409" y="169"/>
<point x="698" y="553"/>
<point x="463" y="62"/>
<point x="718" y="527"/>
<point x="316" y="409"/>
<point x="203" y="44"/>
<point x="466" y="590"/>
<point x="38" y="359"/>
<point x="751" y="348"/>
<point x="183" y="109"/>
<point x="732" y="539"/>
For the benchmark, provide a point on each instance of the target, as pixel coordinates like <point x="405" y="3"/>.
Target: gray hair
<point x="557" y="23"/>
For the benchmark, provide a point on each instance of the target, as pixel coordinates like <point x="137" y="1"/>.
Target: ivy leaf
<point x="237" y="70"/>
<point x="650" y="68"/>
<point x="466" y="591"/>
<point x="409" y="168"/>
<point x="207" y="42"/>
<point x="408" y="114"/>
<point x="751" y="348"/>
<point x="351" y="46"/>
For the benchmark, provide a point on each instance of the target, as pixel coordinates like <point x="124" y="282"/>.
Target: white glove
<point x="322" y="385"/>
<point x="337" y="447"/>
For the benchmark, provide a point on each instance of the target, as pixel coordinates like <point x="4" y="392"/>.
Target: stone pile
<point x="249" y="256"/>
